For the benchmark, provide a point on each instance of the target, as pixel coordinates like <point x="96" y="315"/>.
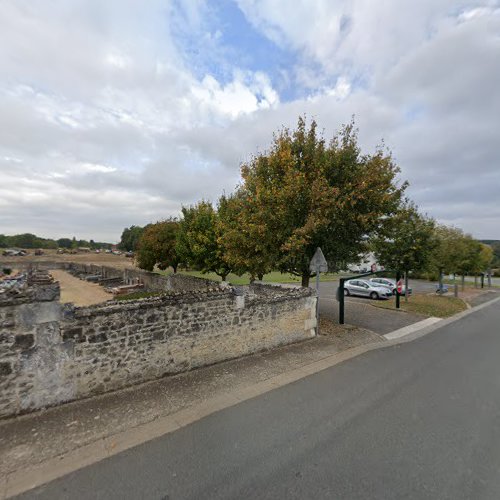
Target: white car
<point x="364" y="288"/>
<point x="389" y="284"/>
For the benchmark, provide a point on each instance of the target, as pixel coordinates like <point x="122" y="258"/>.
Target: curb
<point x="406" y="330"/>
<point x="20" y="481"/>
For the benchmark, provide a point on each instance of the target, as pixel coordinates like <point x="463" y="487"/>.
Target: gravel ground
<point x="79" y="292"/>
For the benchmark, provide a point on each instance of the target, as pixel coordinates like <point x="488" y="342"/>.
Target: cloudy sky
<point x="117" y="112"/>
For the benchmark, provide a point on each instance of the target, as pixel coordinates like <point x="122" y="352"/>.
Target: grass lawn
<point x="469" y="284"/>
<point x="429" y="305"/>
<point x="274" y="277"/>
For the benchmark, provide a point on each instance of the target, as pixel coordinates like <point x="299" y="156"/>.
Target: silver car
<point x="364" y="288"/>
<point x="389" y="284"/>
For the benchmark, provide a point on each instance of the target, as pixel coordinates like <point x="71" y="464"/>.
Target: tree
<point x="130" y="238"/>
<point x="460" y="253"/>
<point x="249" y="247"/>
<point x="406" y="242"/>
<point x="308" y="194"/>
<point x="25" y="240"/>
<point x="450" y="249"/>
<point x="481" y="257"/>
<point x="199" y="240"/>
<point x="157" y="246"/>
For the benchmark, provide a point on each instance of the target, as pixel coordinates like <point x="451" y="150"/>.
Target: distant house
<point x="366" y="263"/>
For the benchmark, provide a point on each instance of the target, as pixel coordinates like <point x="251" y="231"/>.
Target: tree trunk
<point x="223" y="276"/>
<point x="260" y="276"/>
<point x="463" y="282"/>
<point x="305" y="280"/>
<point x="440" y="280"/>
<point x="406" y="286"/>
<point x="174" y="267"/>
<point x="475" y="281"/>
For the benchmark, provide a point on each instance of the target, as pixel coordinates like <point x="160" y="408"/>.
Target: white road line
<point x="396" y="334"/>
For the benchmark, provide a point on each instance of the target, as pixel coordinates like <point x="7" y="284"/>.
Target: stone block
<point x="24" y="341"/>
<point x="5" y="368"/>
<point x="75" y="334"/>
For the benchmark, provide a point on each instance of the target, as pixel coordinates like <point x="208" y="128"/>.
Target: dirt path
<point x="81" y="293"/>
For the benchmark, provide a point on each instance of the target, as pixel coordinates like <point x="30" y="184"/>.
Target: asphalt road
<point x="420" y="420"/>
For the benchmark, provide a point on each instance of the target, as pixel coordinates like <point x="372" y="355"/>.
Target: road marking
<point x="406" y="330"/>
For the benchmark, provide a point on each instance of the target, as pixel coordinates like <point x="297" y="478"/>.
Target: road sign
<point x="400" y="286"/>
<point x="318" y="263"/>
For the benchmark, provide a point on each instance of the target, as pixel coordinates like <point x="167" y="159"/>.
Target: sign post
<point x="318" y="265"/>
<point x="399" y="288"/>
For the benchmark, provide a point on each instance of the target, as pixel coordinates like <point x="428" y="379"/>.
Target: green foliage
<point x="407" y="240"/>
<point x="157" y="246"/>
<point x="64" y="243"/>
<point x="130" y="238"/>
<point x="26" y="240"/>
<point x="495" y="246"/>
<point x="249" y="247"/>
<point x="200" y="241"/>
<point x="305" y="193"/>
<point x="459" y="253"/>
<point x="30" y="241"/>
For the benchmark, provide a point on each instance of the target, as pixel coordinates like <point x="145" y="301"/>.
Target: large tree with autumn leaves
<point x="306" y="193"/>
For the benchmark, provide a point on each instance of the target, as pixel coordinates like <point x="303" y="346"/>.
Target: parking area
<point x="359" y="311"/>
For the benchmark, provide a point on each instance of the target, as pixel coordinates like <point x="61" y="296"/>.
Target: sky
<point x="119" y="112"/>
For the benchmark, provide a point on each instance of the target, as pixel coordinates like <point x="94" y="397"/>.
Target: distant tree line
<point x="28" y="240"/>
<point x="307" y="192"/>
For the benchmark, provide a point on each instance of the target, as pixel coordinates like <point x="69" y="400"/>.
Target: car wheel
<point x="394" y="290"/>
<point x="346" y="292"/>
<point x="374" y="295"/>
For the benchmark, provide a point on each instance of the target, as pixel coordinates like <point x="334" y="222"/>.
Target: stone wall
<point x="51" y="353"/>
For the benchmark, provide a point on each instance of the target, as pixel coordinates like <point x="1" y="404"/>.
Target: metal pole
<point x="482" y="280"/>
<point x="398" y="277"/>
<point x="341" y="301"/>
<point x="317" y="300"/>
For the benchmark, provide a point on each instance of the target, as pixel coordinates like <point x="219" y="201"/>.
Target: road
<point x="420" y="420"/>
